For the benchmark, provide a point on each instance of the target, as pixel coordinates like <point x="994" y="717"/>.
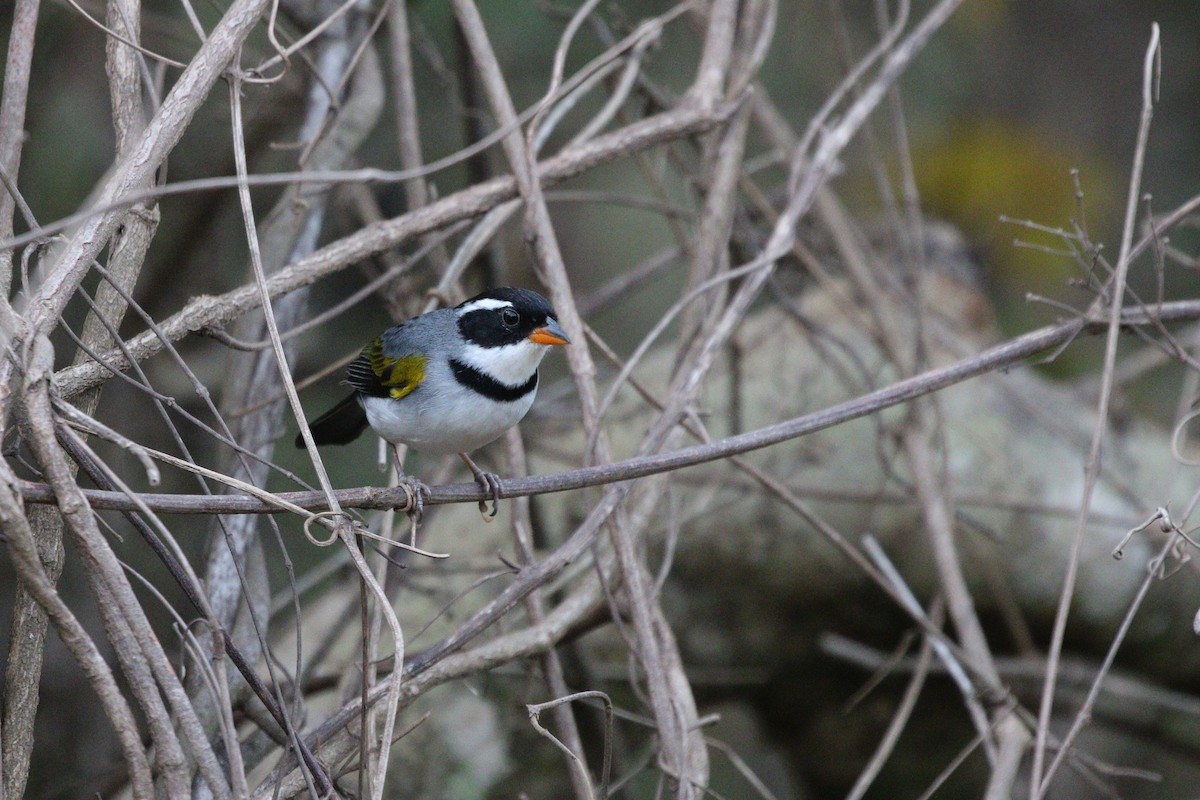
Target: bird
<point x="448" y="381"/>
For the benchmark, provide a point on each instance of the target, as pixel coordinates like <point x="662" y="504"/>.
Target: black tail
<point x="341" y="424"/>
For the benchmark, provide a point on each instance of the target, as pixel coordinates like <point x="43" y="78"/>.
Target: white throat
<point x="511" y="365"/>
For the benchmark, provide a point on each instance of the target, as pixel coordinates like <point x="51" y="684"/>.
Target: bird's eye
<point x="510" y="317"/>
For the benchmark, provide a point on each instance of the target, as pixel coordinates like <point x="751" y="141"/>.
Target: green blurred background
<point x="1002" y="105"/>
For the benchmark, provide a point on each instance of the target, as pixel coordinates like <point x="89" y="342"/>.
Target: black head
<point x="507" y="316"/>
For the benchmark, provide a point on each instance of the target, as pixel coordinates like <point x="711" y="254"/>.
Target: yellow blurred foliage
<point x="989" y="168"/>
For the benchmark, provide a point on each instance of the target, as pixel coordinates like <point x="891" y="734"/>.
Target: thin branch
<point x="900" y="717"/>
<point x="1092" y="470"/>
<point x="13" y="102"/>
<point x="535" y="711"/>
<point x="1084" y="714"/>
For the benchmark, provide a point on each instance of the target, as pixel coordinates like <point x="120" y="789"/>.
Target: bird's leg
<point x="490" y="482"/>
<point x="418" y="490"/>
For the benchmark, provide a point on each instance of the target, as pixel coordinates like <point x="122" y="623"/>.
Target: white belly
<point x="458" y="421"/>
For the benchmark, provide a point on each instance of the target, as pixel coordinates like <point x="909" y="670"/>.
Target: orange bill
<point x="550" y="333"/>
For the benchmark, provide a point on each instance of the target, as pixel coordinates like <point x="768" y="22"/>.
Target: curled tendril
<point x="333" y="531"/>
<point x="359" y="530"/>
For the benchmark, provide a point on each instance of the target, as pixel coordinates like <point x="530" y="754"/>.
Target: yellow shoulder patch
<point x="400" y="376"/>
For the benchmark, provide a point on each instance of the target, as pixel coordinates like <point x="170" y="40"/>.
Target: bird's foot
<point x="417" y="492"/>
<point x="490" y="482"/>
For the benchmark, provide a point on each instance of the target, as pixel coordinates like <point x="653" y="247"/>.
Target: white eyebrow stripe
<point x="484" y="304"/>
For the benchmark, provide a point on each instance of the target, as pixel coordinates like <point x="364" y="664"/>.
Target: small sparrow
<point x="448" y="381"/>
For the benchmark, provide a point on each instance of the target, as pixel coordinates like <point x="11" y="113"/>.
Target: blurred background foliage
<point x="1002" y="105"/>
<point x="1005" y="101"/>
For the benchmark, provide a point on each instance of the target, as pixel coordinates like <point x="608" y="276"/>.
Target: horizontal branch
<point x="998" y="357"/>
